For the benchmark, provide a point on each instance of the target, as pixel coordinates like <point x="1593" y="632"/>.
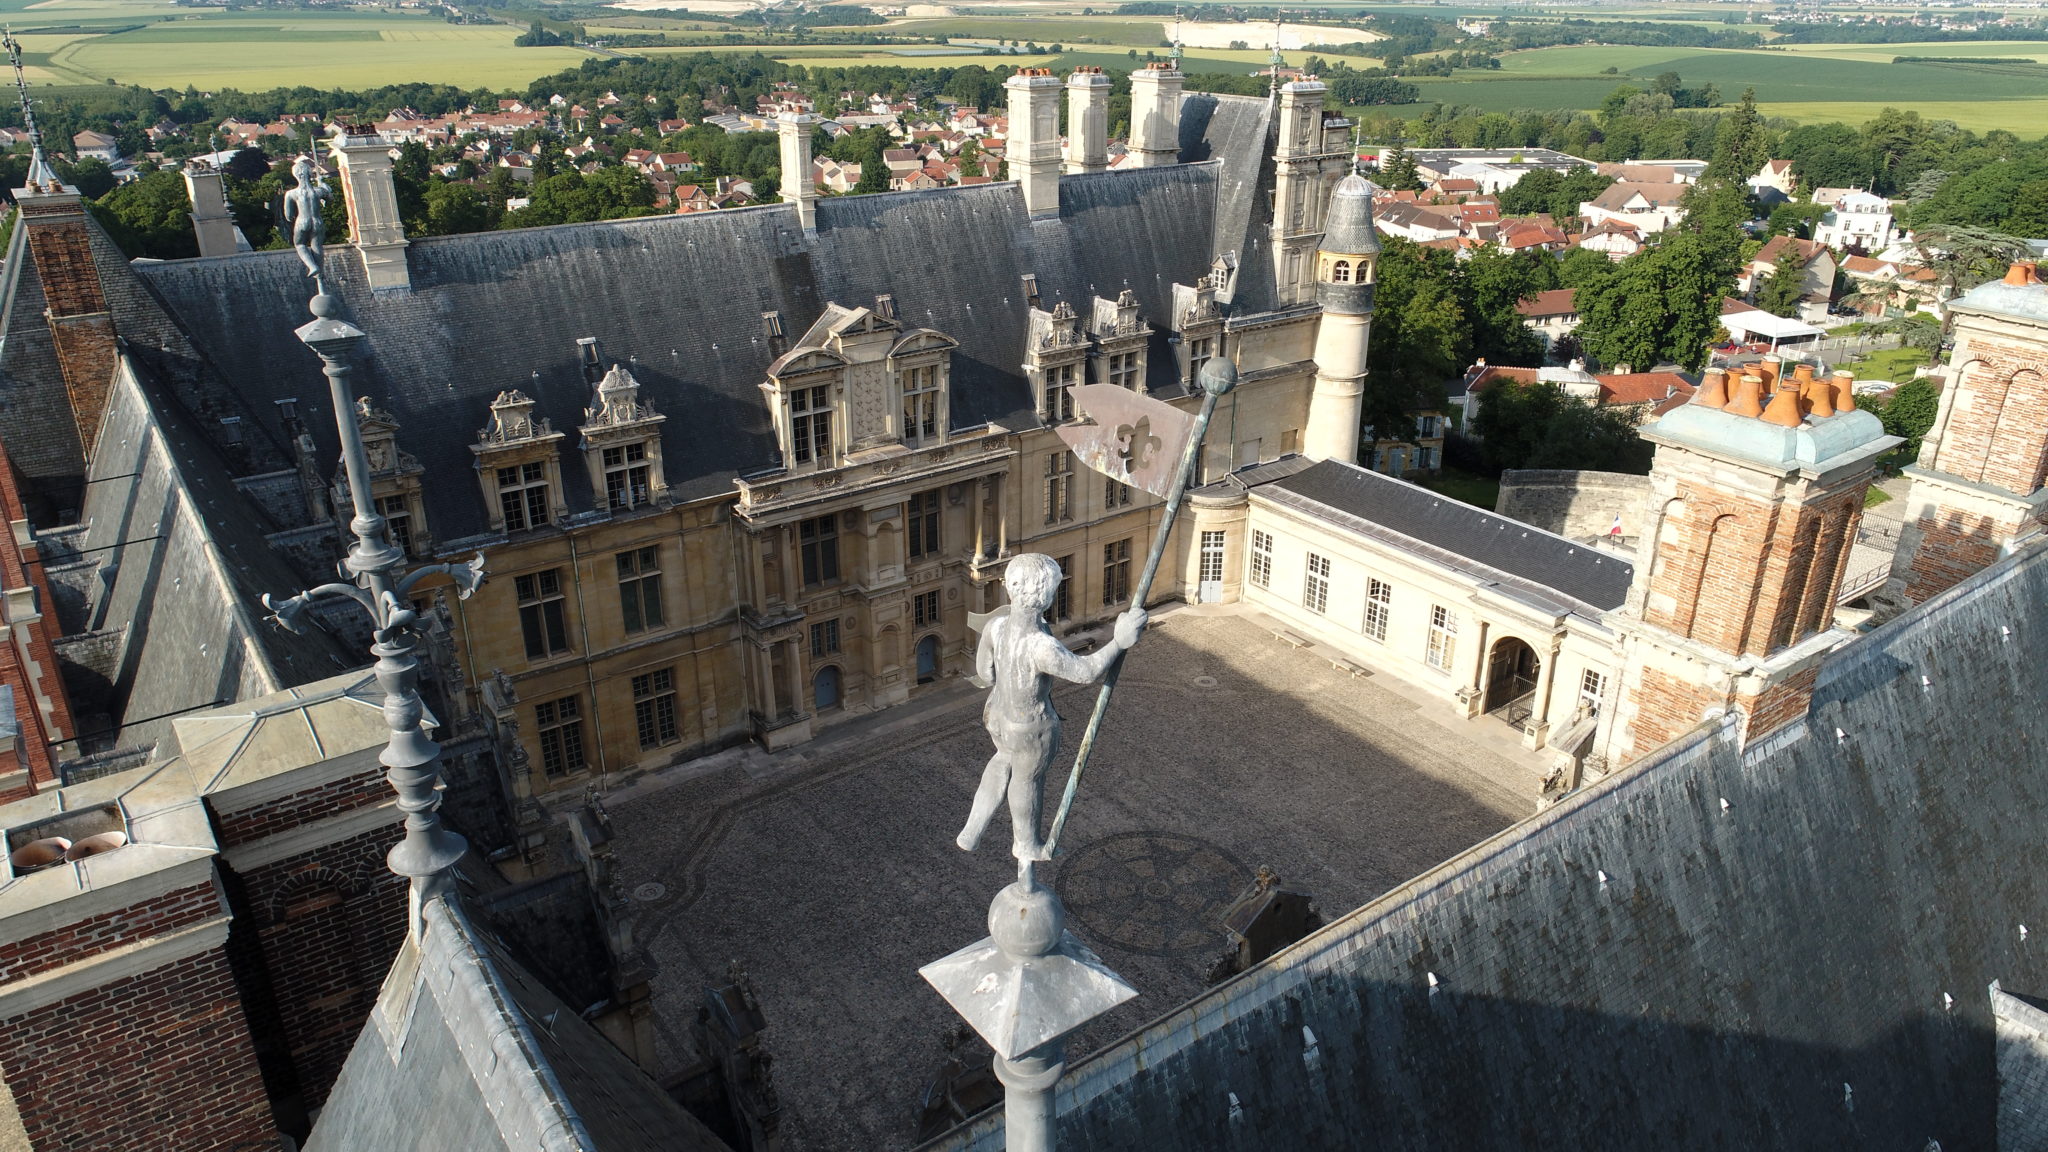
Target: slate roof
<point x="679" y="300"/>
<point x="1574" y="576"/>
<point x="1787" y="945"/>
<point x="489" y="1059"/>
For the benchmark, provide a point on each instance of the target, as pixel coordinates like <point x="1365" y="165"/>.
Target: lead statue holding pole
<point x="1030" y="983"/>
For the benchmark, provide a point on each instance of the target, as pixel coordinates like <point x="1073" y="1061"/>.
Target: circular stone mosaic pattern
<point x="1156" y="893"/>
<point x="649" y="892"/>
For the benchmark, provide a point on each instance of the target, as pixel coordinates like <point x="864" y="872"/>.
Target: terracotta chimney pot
<point x="1713" y="391"/>
<point x="1784" y="409"/>
<point x="1769" y="369"/>
<point x="1819" y="394"/>
<point x="1845" y="390"/>
<point x="1748" y="399"/>
<point x="2022" y="273"/>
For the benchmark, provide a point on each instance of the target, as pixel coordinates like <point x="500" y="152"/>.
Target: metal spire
<point x="40" y="175"/>
<point x="1357" y="167"/>
<point x="380" y="585"/>
<point x="1273" y="84"/>
<point x="1175" y="53"/>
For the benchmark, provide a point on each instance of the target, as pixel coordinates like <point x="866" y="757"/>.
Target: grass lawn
<point x="1875" y="496"/>
<point x="1469" y="487"/>
<point x="1894" y="364"/>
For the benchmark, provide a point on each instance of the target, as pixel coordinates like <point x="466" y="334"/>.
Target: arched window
<point x="1340" y="272"/>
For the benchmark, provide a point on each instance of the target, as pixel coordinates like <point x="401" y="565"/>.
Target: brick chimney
<point x="75" y="303"/>
<point x="1755" y="500"/>
<point x="799" y="185"/>
<point x="212" y="224"/>
<point x="1034" y="145"/>
<point x="1087" y="121"/>
<point x="363" y="157"/>
<point x="1977" y="491"/>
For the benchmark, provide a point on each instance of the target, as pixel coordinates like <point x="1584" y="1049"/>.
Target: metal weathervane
<point x="1031" y="983"/>
<point x="40" y="176"/>
<point x="378" y="581"/>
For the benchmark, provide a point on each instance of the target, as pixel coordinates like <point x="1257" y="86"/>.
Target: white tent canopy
<point x="1755" y="324"/>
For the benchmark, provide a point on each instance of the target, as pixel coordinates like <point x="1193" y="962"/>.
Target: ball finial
<point x="1218" y="376"/>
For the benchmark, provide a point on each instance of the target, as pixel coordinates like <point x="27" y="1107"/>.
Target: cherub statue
<point x="302" y="212"/>
<point x="1019" y="656"/>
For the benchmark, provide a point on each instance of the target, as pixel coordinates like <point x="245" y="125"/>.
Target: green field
<point x="1851" y="83"/>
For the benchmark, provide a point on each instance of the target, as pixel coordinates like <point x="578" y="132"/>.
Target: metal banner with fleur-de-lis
<point x="1129" y="436"/>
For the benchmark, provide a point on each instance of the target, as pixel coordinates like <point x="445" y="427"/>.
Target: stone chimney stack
<point x="1034" y="147"/>
<point x="1087" y="121"/>
<point x="364" y="159"/>
<point x="211" y="222"/>
<point x="799" y="185"/>
<point x="1155" y="115"/>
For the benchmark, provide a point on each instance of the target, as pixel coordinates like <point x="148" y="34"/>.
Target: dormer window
<point x="810" y="425"/>
<point x="920" y="362"/>
<point x="395" y="491"/>
<point x="921" y="404"/>
<point x="1201" y="350"/>
<point x="523" y="496"/>
<point x="518" y="466"/>
<point x="626" y="476"/>
<point x="1123" y="368"/>
<point x="622" y="443"/>
<point x="1060" y="380"/>
<point x="1340" y="272"/>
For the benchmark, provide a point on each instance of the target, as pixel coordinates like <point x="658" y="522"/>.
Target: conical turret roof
<point x="1349" y="227"/>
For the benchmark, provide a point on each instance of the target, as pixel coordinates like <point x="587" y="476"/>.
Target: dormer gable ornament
<point x="380" y="441"/>
<point x="512" y="421"/>
<point x="617" y="404"/>
<point x="1118" y="318"/>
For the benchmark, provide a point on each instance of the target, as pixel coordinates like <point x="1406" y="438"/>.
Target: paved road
<point x="830" y="872"/>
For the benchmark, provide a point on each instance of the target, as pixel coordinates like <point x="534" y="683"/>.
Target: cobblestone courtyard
<point x="830" y="873"/>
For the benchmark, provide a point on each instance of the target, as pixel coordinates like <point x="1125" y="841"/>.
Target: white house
<point x="1858" y="221"/>
<point x="1650" y="207"/>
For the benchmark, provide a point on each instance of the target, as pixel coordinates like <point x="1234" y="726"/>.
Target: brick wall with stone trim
<point x="50" y="950"/>
<point x="159" y="1060"/>
<point x="248" y="825"/>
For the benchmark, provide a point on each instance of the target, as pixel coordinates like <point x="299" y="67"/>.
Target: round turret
<point x="1344" y="261"/>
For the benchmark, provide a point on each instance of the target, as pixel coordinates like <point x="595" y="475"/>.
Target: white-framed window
<point x="1425" y="457"/>
<point x="523" y="495"/>
<point x="1059" y="391"/>
<point x="1443" y="637"/>
<point x="1427" y="427"/>
<point x="1379" y="606"/>
<point x="1212" y="558"/>
<point x="1059" y="487"/>
<point x="810" y="425"/>
<point x="654" y="708"/>
<point x="1123" y="370"/>
<point x="1592" y="689"/>
<point x="1262" y="558"/>
<point x="1340" y="272"/>
<point x="921" y="404"/>
<point x="626" y="476"/>
<point x="1315" y="584"/>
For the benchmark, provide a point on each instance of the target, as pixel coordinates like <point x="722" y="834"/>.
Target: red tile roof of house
<point x="1556" y="302"/>
<point x="1643" y="387"/>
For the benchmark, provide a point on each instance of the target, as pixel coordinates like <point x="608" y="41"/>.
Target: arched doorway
<point x="825" y="689"/>
<point x="1511" y="673"/>
<point x="927" y="659"/>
